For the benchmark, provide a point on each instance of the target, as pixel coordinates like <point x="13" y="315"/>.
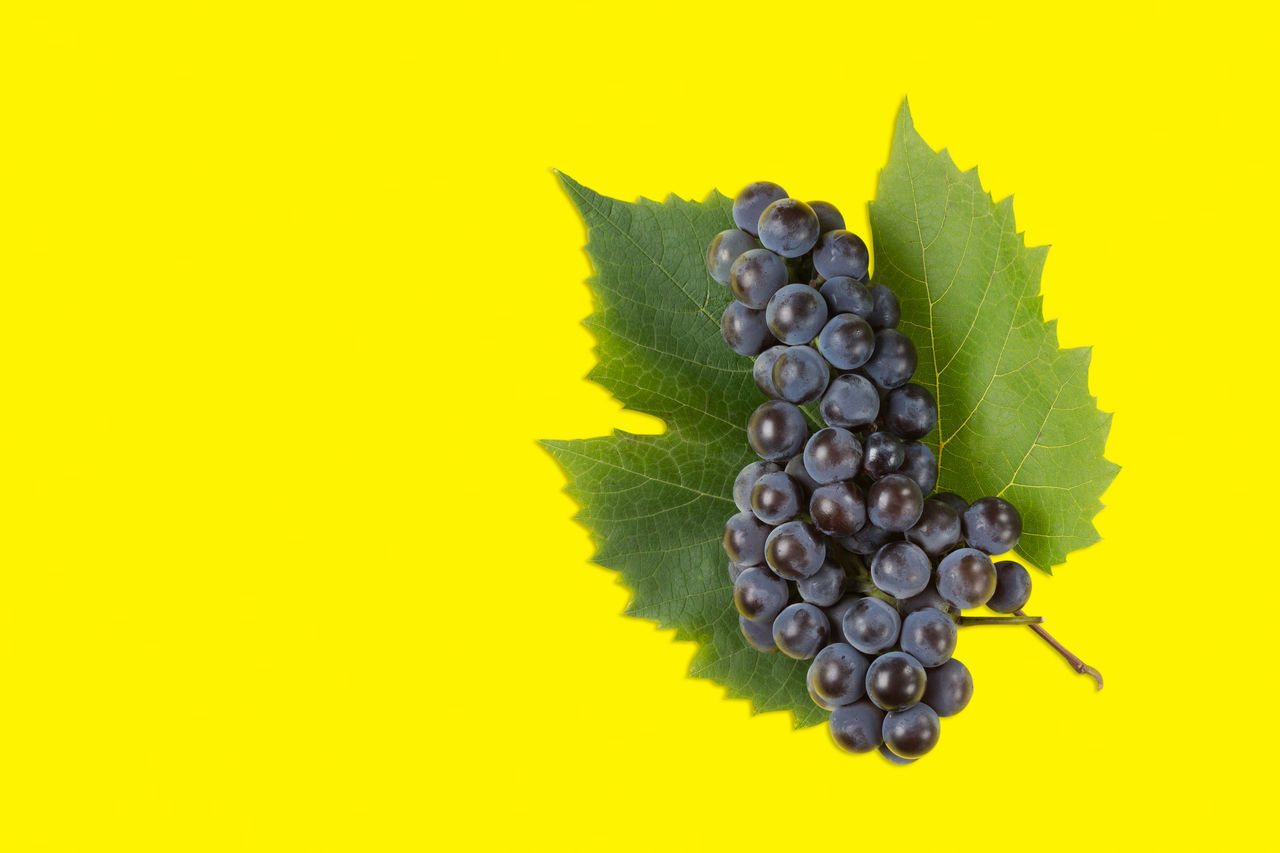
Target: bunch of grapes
<point x="839" y="553"/>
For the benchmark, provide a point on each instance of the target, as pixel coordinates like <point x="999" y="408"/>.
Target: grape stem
<point x="1020" y="619"/>
<point x="1076" y="664"/>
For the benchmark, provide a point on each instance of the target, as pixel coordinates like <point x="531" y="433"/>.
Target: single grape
<point x="928" y="597"/>
<point x="884" y="454"/>
<point x="824" y="704"/>
<point x="759" y="635"/>
<point x="801" y="630"/>
<point x="789" y="227"/>
<point x="1013" y="587"/>
<point x="840" y="252"/>
<point x="846" y="341"/>
<point x="912" y="732"/>
<point x="777" y="430"/>
<point x="900" y="569"/>
<point x="744" y="538"/>
<point x="949" y="689"/>
<point x="832" y="454"/>
<point x="886" y="313"/>
<point x="747" y="478"/>
<point x="868" y="540"/>
<point x="851" y="401"/>
<point x="736" y="569"/>
<point x="759" y="594"/>
<point x="795" y="550"/>
<point x="895" y="681"/>
<point x="844" y="295"/>
<point x="762" y="370"/>
<point x="871" y="625"/>
<point x="857" y="727"/>
<point x="839" y="673"/>
<point x="938" y="529"/>
<point x="929" y="636"/>
<point x="966" y="578"/>
<point x="888" y="753"/>
<point x="775" y="498"/>
<point x="795" y="468"/>
<point x="919" y="464"/>
<point x="956" y="502"/>
<point x="838" y="509"/>
<point x="835" y="617"/>
<point x="825" y="587"/>
<point x="893" y="361"/>
<point x="796" y="314"/>
<point x="756" y="275"/>
<point x="894" y="502"/>
<point x="800" y="375"/>
<point x="725" y="248"/>
<point x="745" y="329"/>
<point x="992" y="525"/>
<point x="752" y="201"/>
<point x="829" y="217"/>
<point x="910" y="411"/>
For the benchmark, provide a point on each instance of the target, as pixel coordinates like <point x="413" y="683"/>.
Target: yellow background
<point x="290" y="291"/>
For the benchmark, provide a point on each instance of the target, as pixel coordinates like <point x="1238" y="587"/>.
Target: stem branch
<point x="1020" y="619"/>
<point x="1076" y="664"/>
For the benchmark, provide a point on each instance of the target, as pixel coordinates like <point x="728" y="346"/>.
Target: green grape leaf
<point x="1015" y="418"/>
<point x="1015" y="408"/>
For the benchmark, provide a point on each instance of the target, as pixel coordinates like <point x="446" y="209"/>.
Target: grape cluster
<point x="839" y="553"/>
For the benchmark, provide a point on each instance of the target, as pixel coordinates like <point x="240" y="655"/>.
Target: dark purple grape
<point x="886" y="313"/>
<point x="795" y="468"/>
<point x="846" y="341"/>
<point x="725" y="248"/>
<point x="949" y="689"/>
<point x="938" y="529"/>
<point x="839" y="674"/>
<point x="800" y="375"/>
<point x="1013" y="587"/>
<point x="824" y="704"/>
<point x="911" y="733"/>
<point x="900" y="569"/>
<point x="829" y="217"/>
<point x="992" y="525"/>
<point x="851" y="402"/>
<point x="752" y="201"/>
<point x="801" y="630"/>
<point x="929" y="636"/>
<point x="747" y="478"/>
<point x="895" y="681"/>
<point x="893" y="362"/>
<point x="832" y="454"/>
<point x="956" y="502"/>
<point x="858" y="727"/>
<point x="909" y="411"/>
<point x="890" y="757"/>
<point x="845" y="295"/>
<point x="882" y="455"/>
<point x="838" y="509"/>
<point x="966" y="578"/>
<point x="929" y="597"/>
<point x="759" y="635"/>
<point x="840" y="252"/>
<point x="745" y="330"/>
<point x="744" y="538"/>
<point x="762" y="370"/>
<point x="795" y="550"/>
<point x="759" y="594"/>
<point x="775" y="498"/>
<point x="835" y="616"/>
<point x="920" y="465"/>
<point x="868" y="540"/>
<point x="825" y="587"/>
<point x="871" y="625"/>
<point x="894" y="502"/>
<point x="789" y="227"/>
<point x="756" y="275"/>
<point x="796" y="314"/>
<point x="777" y="430"/>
